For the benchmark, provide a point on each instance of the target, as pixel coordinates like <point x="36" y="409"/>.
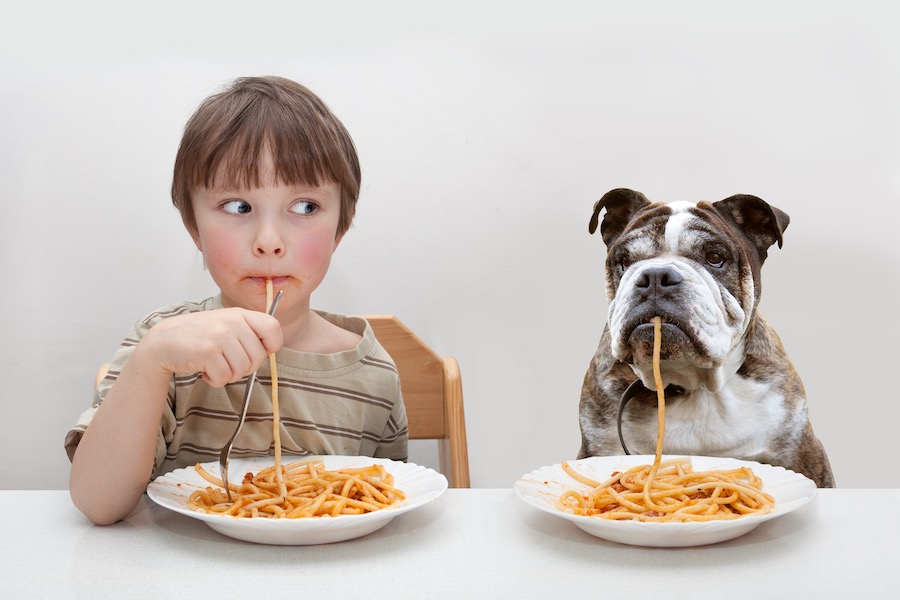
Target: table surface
<point x="483" y="543"/>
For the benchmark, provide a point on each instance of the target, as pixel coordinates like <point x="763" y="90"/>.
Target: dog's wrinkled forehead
<point x="664" y="229"/>
<point x="746" y="218"/>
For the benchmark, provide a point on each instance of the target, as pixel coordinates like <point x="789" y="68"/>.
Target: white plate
<point x="542" y="488"/>
<point x="421" y="485"/>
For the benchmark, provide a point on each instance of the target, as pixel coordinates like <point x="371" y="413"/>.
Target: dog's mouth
<point x="641" y="324"/>
<point x="676" y="340"/>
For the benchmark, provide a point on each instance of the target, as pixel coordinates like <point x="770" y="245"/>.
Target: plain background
<point x="486" y="133"/>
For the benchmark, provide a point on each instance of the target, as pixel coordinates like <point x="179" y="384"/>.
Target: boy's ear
<point x="340" y="235"/>
<point x="194" y="232"/>
<point x="195" y="235"/>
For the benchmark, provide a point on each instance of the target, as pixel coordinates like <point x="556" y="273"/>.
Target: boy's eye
<point x="236" y="207"/>
<point x="304" y="207"/>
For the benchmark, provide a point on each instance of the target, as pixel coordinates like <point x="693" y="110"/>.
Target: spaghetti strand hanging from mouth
<point x="667" y="490"/>
<point x="276" y="420"/>
<point x="660" y="411"/>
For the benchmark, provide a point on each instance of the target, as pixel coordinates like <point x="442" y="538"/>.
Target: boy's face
<point x="279" y="232"/>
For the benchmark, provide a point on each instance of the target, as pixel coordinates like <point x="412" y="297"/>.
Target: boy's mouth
<point x="276" y="279"/>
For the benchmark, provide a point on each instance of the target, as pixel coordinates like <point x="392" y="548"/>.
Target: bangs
<point x="262" y="138"/>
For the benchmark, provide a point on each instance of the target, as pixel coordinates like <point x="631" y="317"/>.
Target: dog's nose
<point x="658" y="280"/>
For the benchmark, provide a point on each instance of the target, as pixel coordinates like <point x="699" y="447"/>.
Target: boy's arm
<point x="114" y="459"/>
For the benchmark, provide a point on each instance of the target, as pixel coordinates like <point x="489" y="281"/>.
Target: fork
<point x="226" y="450"/>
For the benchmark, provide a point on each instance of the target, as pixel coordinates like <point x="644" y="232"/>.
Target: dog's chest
<point x="739" y="420"/>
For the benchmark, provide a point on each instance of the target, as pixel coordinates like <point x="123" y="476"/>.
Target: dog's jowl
<point x="731" y="389"/>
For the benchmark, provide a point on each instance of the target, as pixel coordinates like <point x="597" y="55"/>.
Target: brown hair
<point x="225" y="140"/>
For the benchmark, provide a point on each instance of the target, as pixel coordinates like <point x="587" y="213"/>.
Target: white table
<point x="480" y="543"/>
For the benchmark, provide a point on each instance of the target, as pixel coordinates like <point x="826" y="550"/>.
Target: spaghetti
<point x="312" y="491"/>
<point x="668" y="490"/>
<point x="276" y="420"/>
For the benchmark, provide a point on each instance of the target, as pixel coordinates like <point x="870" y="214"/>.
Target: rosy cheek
<point x="220" y="256"/>
<point x="316" y="249"/>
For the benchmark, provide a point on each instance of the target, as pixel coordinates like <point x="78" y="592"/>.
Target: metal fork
<point x="223" y="455"/>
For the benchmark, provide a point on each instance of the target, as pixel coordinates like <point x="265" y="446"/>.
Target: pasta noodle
<point x="312" y="491"/>
<point x="297" y="490"/>
<point x="668" y="490"/>
<point x="276" y="420"/>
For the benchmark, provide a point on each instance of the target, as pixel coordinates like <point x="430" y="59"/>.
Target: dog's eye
<point x="715" y="259"/>
<point x="619" y="262"/>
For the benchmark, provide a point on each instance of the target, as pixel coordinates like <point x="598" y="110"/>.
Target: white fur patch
<point x="741" y="419"/>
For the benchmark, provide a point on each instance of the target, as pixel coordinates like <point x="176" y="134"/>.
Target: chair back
<point x="432" y="393"/>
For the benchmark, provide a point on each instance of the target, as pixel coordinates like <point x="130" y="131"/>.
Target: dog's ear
<point x="761" y="222"/>
<point x="620" y="205"/>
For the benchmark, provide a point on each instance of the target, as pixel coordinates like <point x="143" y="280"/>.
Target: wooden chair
<point x="432" y="392"/>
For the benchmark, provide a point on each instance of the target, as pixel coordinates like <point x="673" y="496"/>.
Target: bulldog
<point x="730" y="387"/>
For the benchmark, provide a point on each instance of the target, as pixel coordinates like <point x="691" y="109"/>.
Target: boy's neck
<point x="310" y="332"/>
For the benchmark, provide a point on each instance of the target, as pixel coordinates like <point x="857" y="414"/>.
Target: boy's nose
<point x="263" y="250"/>
<point x="268" y="242"/>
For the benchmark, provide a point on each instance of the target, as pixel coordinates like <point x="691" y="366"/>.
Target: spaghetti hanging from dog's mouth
<point x="668" y="490"/>
<point x="678" y="342"/>
<point x="660" y="397"/>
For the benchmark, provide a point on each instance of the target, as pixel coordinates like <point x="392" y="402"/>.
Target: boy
<point x="266" y="180"/>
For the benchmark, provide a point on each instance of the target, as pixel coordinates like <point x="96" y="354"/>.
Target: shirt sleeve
<point x="124" y="352"/>
<point x="395" y="437"/>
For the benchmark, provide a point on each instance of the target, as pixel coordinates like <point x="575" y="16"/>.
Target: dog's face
<point x="696" y="266"/>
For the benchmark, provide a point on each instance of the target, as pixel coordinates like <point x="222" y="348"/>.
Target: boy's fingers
<point x="267" y="330"/>
<point x="242" y="356"/>
<point x="217" y="372"/>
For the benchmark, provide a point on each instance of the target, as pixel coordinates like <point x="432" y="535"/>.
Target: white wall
<point x="486" y="133"/>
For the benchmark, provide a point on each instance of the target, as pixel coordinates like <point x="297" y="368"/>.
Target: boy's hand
<point x="225" y="345"/>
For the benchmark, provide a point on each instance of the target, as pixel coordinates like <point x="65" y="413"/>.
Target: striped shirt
<point x="346" y="403"/>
